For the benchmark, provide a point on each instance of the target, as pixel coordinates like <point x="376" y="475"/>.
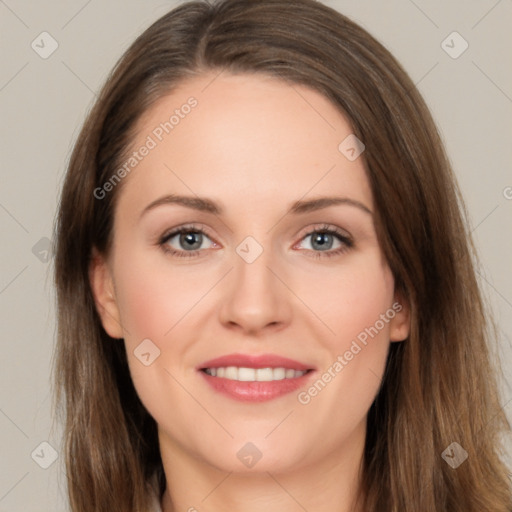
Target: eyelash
<point x="347" y="243"/>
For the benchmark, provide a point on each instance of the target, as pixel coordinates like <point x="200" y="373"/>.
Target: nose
<point x="256" y="299"/>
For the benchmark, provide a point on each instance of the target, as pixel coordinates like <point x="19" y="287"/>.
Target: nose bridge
<point x="252" y="265"/>
<point x="252" y="275"/>
<point x="256" y="298"/>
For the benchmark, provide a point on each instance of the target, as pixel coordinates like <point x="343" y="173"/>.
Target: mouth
<point x="255" y="378"/>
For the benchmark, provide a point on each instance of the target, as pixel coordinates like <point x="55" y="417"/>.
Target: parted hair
<point x="440" y="385"/>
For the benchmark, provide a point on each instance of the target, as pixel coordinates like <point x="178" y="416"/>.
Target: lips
<point x="255" y="361"/>
<point x="255" y="378"/>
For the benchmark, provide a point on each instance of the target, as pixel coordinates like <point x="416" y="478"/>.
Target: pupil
<point x="188" y="238"/>
<point x="320" y="238"/>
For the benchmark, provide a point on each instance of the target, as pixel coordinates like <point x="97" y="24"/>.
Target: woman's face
<point x="269" y="268"/>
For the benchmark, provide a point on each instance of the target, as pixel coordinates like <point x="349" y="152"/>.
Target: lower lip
<point x="256" y="391"/>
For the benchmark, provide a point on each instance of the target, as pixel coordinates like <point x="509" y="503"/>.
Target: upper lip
<point x="254" y="361"/>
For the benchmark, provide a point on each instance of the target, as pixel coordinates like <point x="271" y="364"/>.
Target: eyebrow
<point x="204" y="204"/>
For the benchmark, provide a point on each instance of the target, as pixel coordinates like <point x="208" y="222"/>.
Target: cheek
<point x="357" y="307"/>
<point x="157" y="302"/>
<point x="348" y="382"/>
<point x="352" y="299"/>
<point x="152" y="305"/>
<point x="153" y="298"/>
<point x="361" y="311"/>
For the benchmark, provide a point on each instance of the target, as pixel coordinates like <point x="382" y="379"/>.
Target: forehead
<point x="244" y="139"/>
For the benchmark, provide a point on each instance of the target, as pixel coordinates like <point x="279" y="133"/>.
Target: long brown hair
<point x="440" y="385"/>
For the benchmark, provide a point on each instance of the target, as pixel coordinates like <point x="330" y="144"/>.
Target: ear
<point x="102" y="285"/>
<point x="400" y="324"/>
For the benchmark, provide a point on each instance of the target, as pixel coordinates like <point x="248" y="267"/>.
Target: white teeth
<point x="279" y="373"/>
<point x="290" y="374"/>
<point x="264" y="374"/>
<point x="231" y="373"/>
<point x="246" y="374"/>
<point x="254" y="375"/>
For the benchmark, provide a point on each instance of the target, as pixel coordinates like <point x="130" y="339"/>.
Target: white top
<point x="155" y="504"/>
<point x="156" y="507"/>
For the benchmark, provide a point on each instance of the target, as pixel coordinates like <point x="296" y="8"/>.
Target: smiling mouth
<point x="255" y="377"/>
<point x="244" y="374"/>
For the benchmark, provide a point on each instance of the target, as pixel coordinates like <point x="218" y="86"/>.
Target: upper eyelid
<point x="327" y="227"/>
<point x="186" y="227"/>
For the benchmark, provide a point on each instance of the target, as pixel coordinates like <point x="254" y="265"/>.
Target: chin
<point x="255" y="456"/>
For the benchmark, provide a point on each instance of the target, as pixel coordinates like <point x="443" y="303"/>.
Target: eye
<point x="324" y="238"/>
<point x="185" y="241"/>
<point x="188" y="241"/>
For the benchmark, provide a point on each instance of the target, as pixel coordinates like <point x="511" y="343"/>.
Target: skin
<point x="254" y="145"/>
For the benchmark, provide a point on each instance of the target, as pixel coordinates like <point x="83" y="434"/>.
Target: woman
<point x="324" y="345"/>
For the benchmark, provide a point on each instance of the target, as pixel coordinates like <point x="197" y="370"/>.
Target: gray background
<point x="43" y="103"/>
